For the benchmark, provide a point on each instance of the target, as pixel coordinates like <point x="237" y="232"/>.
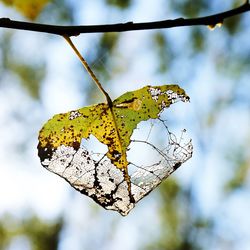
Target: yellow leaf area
<point x="112" y="126"/>
<point x="29" y="8"/>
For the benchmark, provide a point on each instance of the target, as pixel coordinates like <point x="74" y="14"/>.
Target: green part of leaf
<point x="112" y="126"/>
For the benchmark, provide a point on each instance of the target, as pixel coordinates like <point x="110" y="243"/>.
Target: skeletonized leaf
<point x="107" y="179"/>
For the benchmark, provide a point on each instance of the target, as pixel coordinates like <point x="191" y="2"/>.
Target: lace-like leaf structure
<point x="107" y="179"/>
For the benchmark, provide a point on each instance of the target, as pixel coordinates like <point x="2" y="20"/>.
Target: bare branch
<point x="122" y="27"/>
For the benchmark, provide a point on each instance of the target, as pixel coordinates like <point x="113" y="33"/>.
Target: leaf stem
<point x="91" y="73"/>
<point x="109" y="101"/>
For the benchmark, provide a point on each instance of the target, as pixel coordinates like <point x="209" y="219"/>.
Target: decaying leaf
<point x="29" y="8"/>
<point x="107" y="179"/>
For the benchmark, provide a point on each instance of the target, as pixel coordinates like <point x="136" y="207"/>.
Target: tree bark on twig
<point x="68" y="31"/>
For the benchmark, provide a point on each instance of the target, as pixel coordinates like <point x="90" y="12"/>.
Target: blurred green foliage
<point x="29" y="8"/>
<point x="39" y="234"/>
<point x="31" y="73"/>
<point x="198" y="39"/>
<point x="181" y="226"/>
<point x="57" y="12"/>
<point x="122" y="4"/>
<point x="106" y="46"/>
<point x="189" y="8"/>
<point x="241" y="169"/>
<point x="163" y="51"/>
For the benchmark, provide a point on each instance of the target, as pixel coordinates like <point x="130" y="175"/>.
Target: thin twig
<point x="86" y="66"/>
<point x="121" y="27"/>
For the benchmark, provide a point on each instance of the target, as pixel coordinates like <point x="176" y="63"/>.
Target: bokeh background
<point x="203" y="205"/>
